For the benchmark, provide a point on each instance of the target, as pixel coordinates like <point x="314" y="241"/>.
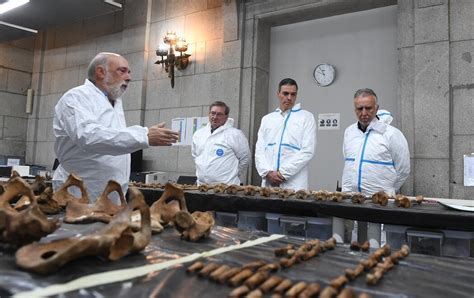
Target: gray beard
<point x="115" y="92"/>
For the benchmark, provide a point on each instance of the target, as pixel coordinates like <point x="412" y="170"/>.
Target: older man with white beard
<point x="92" y="139"/>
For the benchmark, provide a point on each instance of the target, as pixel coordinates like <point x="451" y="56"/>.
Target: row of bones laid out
<point x="380" y="198"/>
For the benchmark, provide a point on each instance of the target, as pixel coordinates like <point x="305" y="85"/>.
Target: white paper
<point x="13" y="162"/>
<point x="329" y="121"/>
<point x="469" y="169"/>
<point x="186" y="127"/>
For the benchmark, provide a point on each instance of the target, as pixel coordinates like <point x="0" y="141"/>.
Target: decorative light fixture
<point x="166" y="50"/>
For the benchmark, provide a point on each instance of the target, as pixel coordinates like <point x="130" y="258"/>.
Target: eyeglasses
<point x="215" y="114"/>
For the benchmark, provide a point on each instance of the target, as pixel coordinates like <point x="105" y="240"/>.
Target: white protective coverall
<point x="286" y="144"/>
<point x="377" y="159"/>
<point x="222" y="156"/>
<point x="92" y="140"/>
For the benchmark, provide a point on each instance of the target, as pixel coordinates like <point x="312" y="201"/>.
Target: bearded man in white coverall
<point x="286" y="141"/>
<point x="220" y="151"/>
<point x="92" y="139"/>
<point x="376" y="155"/>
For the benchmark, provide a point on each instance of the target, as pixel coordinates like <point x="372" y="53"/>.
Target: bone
<point x="296" y="289"/>
<point x="380" y="198"/>
<point x="374" y="277"/>
<point x="195" y="226"/>
<point x="270" y="283"/>
<point x="355" y="245"/>
<point x="283" y="286"/>
<point x="419" y="199"/>
<point x="256" y="279"/>
<point x="255" y="294"/>
<point x="62" y="196"/>
<point x="266" y="191"/>
<point x="166" y="207"/>
<point x="336" y="196"/>
<point x="346" y="293"/>
<point x="338" y="282"/>
<point x="102" y="210"/>
<point x="239" y="292"/>
<point x="286" y="193"/>
<point x="205" y="187"/>
<point x="254" y="265"/>
<point x="45" y="202"/>
<point x="208" y="269"/>
<point x="358" y="198"/>
<point x="402" y="201"/>
<point x="365" y="246"/>
<point x="228" y="274"/>
<point x="250" y="190"/>
<point x="220" y="188"/>
<point x="197" y="266"/>
<point x="354" y="273"/>
<point x="283" y="251"/>
<point x="19" y="228"/>
<point x="218" y="272"/>
<point x="114" y="241"/>
<point x="302" y="194"/>
<point x="329" y="244"/>
<point x="38" y="186"/>
<point x="311" y="290"/>
<point x="288" y="262"/>
<point x="270" y="267"/>
<point x="328" y="292"/>
<point x="233" y="189"/>
<point x="321" y="195"/>
<point x="240" y="277"/>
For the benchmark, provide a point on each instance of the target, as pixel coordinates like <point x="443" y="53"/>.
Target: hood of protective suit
<point x="226" y="125"/>
<point x="385" y="116"/>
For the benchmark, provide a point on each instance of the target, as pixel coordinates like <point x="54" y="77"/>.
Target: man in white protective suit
<point x="220" y="151"/>
<point x="286" y="141"/>
<point x="92" y="139"/>
<point x="376" y="153"/>
<point x="376" y="157"/>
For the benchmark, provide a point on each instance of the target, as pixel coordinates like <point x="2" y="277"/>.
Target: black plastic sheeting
<point x="427" y="215"/>
<point x="415" y="276"/>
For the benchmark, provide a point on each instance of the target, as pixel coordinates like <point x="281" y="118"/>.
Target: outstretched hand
<point x="158" y="135"/>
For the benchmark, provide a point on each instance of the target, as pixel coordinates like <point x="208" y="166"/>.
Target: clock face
<point x="324" y="74"/>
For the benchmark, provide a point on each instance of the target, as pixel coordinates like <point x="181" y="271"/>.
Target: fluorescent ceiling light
<point x="18" y="27"/>
<point x="112" y="2"/>
<point x="11" y="4"/>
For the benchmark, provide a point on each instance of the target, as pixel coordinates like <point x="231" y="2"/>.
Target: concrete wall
<point x="16" y="62"/>
<point x="436" y="83"/>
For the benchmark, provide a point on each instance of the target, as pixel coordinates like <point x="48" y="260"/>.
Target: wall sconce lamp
<point x="166" y="50"/>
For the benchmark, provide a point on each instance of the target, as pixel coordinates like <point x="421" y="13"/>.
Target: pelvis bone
<point x="19" y="228"/>
<point x="103" y="209"/>
<point x="163" y="211"/>
<point x="194" y="226"/>
<point x="62" y="196"/>
<point x="116" y="240"/>
<point x="45" y="202"/>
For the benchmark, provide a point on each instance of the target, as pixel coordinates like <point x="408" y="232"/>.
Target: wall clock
<point x="324" y="74"/>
